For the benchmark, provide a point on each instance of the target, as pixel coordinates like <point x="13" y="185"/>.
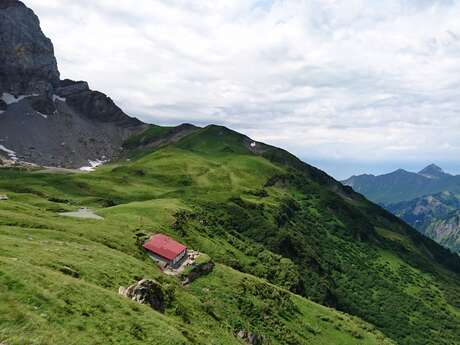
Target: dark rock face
<point x="97" y="106"/>
<point x="27" y="62"/>
<point x="146" y="291"/>
<point x="10" y="3"/>
<point x="43" y="119"/>
<point x="44" y="106"/>
<point x="93" y="104"/>
<point x="60" y="138"/>
<point x="69" y="87"/>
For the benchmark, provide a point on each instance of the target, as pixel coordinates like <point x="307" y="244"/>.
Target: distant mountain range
<point x="402" y="185"/>
<point x="428" y="200"/>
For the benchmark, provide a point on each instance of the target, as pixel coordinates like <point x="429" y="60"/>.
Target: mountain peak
<point x="27" y="61"/>
<point x="432" y="171"/>
<point x="46" y="120"/>
<point x="397" y="172"/>
<point x="11" y="3"/>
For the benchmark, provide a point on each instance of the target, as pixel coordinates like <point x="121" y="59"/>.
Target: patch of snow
<point x="3" y="148"/>
<point x="11" y="154"/>
<point x="11" y="99"/>
<point x="92" y="165"/>
<point x="253" y="144"/>
<point x="8" y="98"/>
<point x="58" y="98"/>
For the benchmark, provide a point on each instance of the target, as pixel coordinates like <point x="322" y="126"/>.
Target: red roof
<point x="164" y="246"/>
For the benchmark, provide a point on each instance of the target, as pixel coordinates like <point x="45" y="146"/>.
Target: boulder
<point x="249" y="337"/>
<point x="198" y="271"/>
<point x="146" y="291"/>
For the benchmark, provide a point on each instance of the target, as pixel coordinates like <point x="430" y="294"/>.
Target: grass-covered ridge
<point x="59" y="279"/>
<point x="279" y="231"/>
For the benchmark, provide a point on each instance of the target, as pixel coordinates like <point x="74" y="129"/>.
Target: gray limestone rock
<point x="249" y="337"/>
<point x="45" y="120"/>
<point x="146" y="291"/>
<point x="27" y="62"/>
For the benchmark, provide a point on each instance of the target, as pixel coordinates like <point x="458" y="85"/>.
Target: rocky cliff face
<point x="436" y="216"/>
<point x="446" y="231"/>
<point x="27" y="62"/>
<point x="45" y="120"/>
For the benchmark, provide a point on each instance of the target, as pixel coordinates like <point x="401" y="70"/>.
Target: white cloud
<point x="355" y="79"/>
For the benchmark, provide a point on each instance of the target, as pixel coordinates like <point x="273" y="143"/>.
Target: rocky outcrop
<point x="435" y="216"/>
<point x="96" y="106"/>
<point x="146" y="291"/>
<point x="196" y="271"/>
<point x="45" y="120"/>
<point x="27" y="62"/>
<point x="69" y="87"/>
<point x="93" y="104"/>
<point x="249" y="337"/>
<point x="446" y="231"/>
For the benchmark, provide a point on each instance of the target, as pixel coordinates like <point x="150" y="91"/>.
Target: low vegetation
<point x="291" y="248"/>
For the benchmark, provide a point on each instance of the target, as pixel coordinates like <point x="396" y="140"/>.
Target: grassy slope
<point x="60" y="276"/>
<point x="152" y="132"/>
<point x="59" y="279"/>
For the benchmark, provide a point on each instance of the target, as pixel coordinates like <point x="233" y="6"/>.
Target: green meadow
<point x="299" y="258"/>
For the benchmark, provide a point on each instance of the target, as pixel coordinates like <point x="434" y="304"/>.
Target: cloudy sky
<point x="349" y="85"/>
